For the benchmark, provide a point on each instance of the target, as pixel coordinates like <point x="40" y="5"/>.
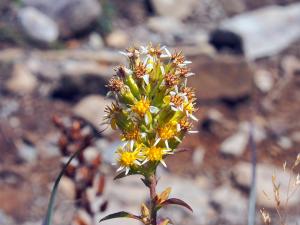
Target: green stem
<point x="152" y="187"/>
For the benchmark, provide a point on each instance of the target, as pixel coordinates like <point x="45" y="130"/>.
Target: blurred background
<point x="56" y="57"/>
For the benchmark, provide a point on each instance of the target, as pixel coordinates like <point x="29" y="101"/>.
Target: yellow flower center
<point x="154" y="153"/>
<point x="189" y="107"/>
<point x="127" y="158"/>
<point x="168" y="131"/>
<point x="134" y="134"/>
<point x="141" y="107"/>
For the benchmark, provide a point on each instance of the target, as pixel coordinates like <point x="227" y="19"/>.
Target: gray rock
<point x="38" y="26"/>
<point x="165" y="25"/>
<point x="95" y="41"/>
<point x="91" y="108"/>
<point x="72" y="15"/>
<point x="27" y="152"/>
<point x="179" y="9"/>
<point x="235" y="144"/>
<point x="266" y="31"/>
<point x="242" y="175"/>
<point x="263" y="80"/>
<point x="285" y="142"/>
<point x="22" y="81"/>
<point x="231" y="203"/>
<point x="117" y="39"/>
<point x="222" y="77"/>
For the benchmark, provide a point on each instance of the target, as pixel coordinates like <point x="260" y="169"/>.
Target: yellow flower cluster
<point x="153" y="108"/>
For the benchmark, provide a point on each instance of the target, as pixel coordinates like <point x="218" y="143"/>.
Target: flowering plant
<point x="153" y="110"/>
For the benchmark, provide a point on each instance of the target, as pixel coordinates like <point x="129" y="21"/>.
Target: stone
<point x="117" y="39"/>
<point x="22" y="81"/>
<point x="95" y="41"/>
<point x="73" y="16"/>
<point x="27" y="152"/>
<point x="267" y="30"/>
<point x="231" y="204"/>
<point x="91" y="108"/>
<point x="165" y="25"/>
<point x="67" y="186"/>
<point x="285" y="142"/>
<point x="235" y="145"/>
<point x="221" y="77"/>
<point x="233" y="7"/>
<point x="179" y="9"/>
<point x="198" y="156"/>
<point x="38" y="26"/>
<point x="226" y="41"/>
<point x="263" y="80"/>
<point x="242" y="176"/>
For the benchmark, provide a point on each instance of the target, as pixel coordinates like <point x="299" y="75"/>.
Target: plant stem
<point x="152" y="187"/>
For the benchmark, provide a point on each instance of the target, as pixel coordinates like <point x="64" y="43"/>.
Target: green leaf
<point x="123" y="174"/>
<point x="121" y="214"/>
<point x="48" y="217"/>
<point x="176" y="201"/>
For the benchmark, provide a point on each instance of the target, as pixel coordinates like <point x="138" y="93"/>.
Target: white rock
<point x="67" y="186"/>
<point x="242" y="175"/>
<point x="198" y="156"/>
<point x="72" y="16"/>
<point x="235" y="144"/>
<point x="266" y="31"/>
<point x="91" y="108"/>
<point x="165" y="25"/>
<point x="117" y="39"/>
<point x="285" y="142"/>
<point x="264" y="80"/>
<point x="22" y="80"/>
<point x="179" y="9"/>
<point x="38" y="26"/>
<point x="233" y="204"/>
<point x="27" y="152"/>
<point x="95" y="41"/>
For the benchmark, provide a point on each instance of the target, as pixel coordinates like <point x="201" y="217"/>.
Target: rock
<point x="198" y="156"/>
<point x="179" y="9"/>
<point x="73" y="16"/>
<point x="263" y="80"/>
<point x="117" y="39"/>
<point x="233" y="7"/>
<point x="266" y="31"/>
<point x="290" y="64"/>
<point x="22" y="80"/>
<point x="242" y="176"/>
<point x="196" y="194"/>
<point x="221" y="77"/>
<point x="91" y="108"/>
<point x="95" y="41"/>
<point x="231" y="204"/>
<point x="295" y="136"/>
<point x="67" y="186"/>
<point x="285" y="142"/>
<point x="235" y="145"/>
<point x="6" y="219"/>
<point x="38" y="26"/>
<point x="165" y="25"/>
<point x="226" y="41"/>
<point x="27" y="152"/>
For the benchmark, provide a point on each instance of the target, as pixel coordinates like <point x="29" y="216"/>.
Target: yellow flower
<point x="133" y="134"/>
<point x="167" y="131"/>
<point x="141" y="107"/>
<point x="154" y="154"/>
<point x="127" y="159"/>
